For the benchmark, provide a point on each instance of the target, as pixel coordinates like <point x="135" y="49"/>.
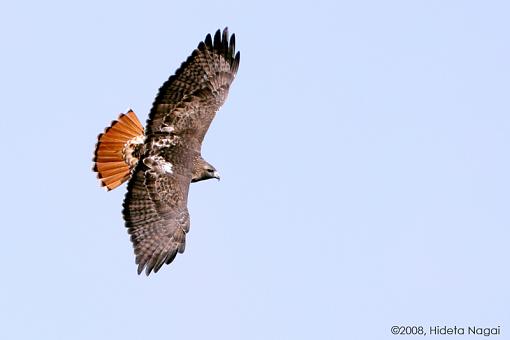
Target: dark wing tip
<point x="140" y="268"/>
<point x="208" y="41"/>
<point x="217" y="40"/>
<point x="171" y="257"/>
<point x="232" y="46"/>
<point x="155" y="262"/>
<point x="220" y="44"/>
<point x="235" y="63"/>
<point x="224" y="42"/>
<point x="224" y="45"/>
<point x="143" y="263"/>
<point x="166" y="259"/>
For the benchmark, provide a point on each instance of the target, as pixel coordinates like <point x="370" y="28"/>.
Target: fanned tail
<point x="114" y="154"/>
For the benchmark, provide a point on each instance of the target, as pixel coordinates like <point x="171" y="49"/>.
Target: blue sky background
<point x="364" y="154"/>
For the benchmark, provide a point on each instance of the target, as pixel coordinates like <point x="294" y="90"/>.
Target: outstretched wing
<point x="188" y="101"/>
<point x="155" y="207"/>
<point x="156" y="214"/>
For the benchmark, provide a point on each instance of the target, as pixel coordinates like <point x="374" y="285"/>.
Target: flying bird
<point x="162" y="160"/>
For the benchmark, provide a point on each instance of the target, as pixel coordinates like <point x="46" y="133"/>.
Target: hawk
<point x="161" y="161"/>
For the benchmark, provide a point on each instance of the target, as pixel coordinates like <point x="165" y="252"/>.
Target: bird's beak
<point x="216" y="175"/>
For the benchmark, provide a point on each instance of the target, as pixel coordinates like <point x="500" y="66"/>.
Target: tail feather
<point x="116" y="180"/>
<point x="126" y="125"/>
<point x="109" y="153"/>
<point x="108" y="165"/>
<point x="118" y="134"/>
<point x="112" y="137"/>
<point x="112" y="146"/>
<point x="131" y="120"/>
<point x="114" y="172"/>
<point x="110" y="157"/>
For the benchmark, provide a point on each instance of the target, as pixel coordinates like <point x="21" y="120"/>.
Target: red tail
<point x="110" y="162"/>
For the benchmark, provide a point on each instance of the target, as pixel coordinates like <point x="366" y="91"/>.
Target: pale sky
<point x="364" y="155"/>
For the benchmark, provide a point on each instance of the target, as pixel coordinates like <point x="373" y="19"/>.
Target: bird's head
<point x="203" y="170"/>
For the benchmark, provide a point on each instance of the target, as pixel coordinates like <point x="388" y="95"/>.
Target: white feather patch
<point x="163" y="142"/>
<point x="167" y="167"/>
<point x="167" y="129"/>
<point x="158" y="164"/>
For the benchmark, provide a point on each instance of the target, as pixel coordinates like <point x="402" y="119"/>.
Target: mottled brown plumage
<point x="155" y="207"/>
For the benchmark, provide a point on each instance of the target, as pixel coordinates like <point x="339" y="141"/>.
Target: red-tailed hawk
<point x="161" y="162"/>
